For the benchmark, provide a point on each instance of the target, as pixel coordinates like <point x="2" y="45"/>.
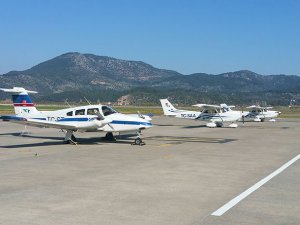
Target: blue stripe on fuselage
<point x="209" y="117"/>
<point x="79" y="119"/>
<point x="12" y="118"/>
<point x="121" y="122"/>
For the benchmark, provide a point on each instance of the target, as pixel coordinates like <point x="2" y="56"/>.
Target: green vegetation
<point x="287" y="112"/>
<point x="7" y="109"/>
<point x="141" y="109"/>
<point x="156" y="110"/>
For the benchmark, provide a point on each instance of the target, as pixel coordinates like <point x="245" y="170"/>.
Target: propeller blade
<point x="104" y="121"/>
<point x="140" y="115"/>
<point x="111" y="126"/>
<point x="99" y="115"/>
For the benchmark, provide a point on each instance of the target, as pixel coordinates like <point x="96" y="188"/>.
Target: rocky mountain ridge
<point x="101" y="75"/>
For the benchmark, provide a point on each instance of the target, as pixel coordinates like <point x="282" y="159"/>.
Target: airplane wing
<point x="37" y="122"/>
<point x="254" y="107"/>
<point x="207" y="106"/>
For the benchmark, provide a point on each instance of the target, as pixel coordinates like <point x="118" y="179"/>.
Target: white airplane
<point x="216" y="114"/>
<point x="260" y="114"/>
<point x="91" y="118"/>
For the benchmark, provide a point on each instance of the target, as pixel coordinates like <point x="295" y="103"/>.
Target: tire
<point x="73" y="138"/>
<point x="138" y="141"/>
<point x="109" y="136"/>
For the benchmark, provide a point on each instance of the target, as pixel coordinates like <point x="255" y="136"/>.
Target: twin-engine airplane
<point x="216" y="114"/>
<point x="260" y="114"/>
<point x="91" y="118"/>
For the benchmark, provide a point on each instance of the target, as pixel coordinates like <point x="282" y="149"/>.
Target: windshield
<point x="106" y="110"/>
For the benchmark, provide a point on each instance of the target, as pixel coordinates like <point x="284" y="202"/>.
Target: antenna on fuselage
<point x="66" y="101"/>
<point x="87" y="100"/>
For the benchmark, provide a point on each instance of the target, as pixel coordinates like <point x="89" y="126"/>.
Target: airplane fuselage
<point x="228" y="116"/>
<point x="83" y="117"/>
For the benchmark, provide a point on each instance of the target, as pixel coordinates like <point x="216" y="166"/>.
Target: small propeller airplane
<point x="216" y="114"/>
<point x="260" y="114"/>
<point x="91" y="118"/>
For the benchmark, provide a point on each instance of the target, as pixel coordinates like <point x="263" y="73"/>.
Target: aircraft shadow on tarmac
<point x="181" y="140"/>
<point x="59" y="141"/>
<point x="119" y="140"/>
<point x="27" y="135"/>
<point x="195" y="126"/>
<point x="177" y="125"/>
<point x="167" y="125"/>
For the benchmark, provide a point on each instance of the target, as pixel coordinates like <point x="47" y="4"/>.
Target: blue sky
<point x="211" y="36"/>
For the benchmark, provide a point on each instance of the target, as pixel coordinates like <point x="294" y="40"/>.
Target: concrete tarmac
<point x="180" y="177"/>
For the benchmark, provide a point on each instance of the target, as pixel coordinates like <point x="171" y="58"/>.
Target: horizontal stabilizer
<point x="207" y="106"/>
<point x="17" y="90"/>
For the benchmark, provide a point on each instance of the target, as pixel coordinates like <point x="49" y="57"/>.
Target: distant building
<point x="125" y="100"/>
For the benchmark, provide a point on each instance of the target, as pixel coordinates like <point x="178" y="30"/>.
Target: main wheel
<point x="109" y="136"/>
<point x="73" y="138"/>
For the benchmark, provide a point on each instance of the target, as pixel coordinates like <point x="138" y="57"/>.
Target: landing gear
<point x="138" y="140"/>
<point x="73" y="138"/>
<point x="219" y="124"/>
<point x="109" y="136"/>
<point x="70" y="138"/>
<point x="24" y="131"/>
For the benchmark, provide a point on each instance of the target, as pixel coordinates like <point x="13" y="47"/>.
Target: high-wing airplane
<point x="259" y="114"/>
<point x="216" y="114"/>
<point x="92" y="118"/>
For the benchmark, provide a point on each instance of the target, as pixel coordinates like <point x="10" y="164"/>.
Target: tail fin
<point x="169" y="109"/>
<point x="22" y="103"/>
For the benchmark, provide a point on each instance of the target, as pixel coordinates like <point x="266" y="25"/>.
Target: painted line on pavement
<point x="243" y="195"/>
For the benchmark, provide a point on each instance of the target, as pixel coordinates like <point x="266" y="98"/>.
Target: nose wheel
<point x="138" y="140"/>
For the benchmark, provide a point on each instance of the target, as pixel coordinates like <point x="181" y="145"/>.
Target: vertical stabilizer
<point x="22" y="102"/>
<point x="168" y="108"/>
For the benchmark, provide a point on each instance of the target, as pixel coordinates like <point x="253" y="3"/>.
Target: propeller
<point x="104" y="121"/>
<point x="140" y="115"/>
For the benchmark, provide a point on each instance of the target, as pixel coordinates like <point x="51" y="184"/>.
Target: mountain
<point x="85" y="71"/>
<point x="101" y="78"/>
<point x="239" y="81"/>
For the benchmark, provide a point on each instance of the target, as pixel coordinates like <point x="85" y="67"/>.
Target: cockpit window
<point x="79" y="112"/>
<point x="70" y="113"/>
<point x="92" y="111"/>
<point x="108" y="110"/>
<point x="210" y="111"/>
<point x="224" y="110"/>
